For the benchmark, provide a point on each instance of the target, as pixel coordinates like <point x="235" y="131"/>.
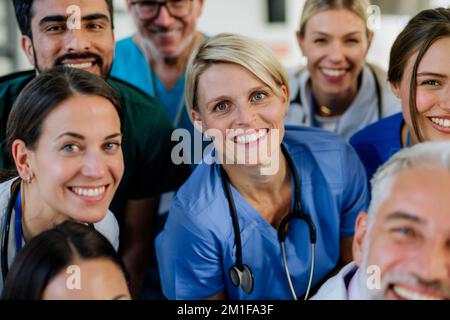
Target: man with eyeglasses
<point x="155" y="58"/>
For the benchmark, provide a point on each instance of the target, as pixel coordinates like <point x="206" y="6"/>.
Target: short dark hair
<point x="420" y="33"/>
<point x="49" y="253"/>
<point x="44" y="93"/>
<point x="24" y="14"/>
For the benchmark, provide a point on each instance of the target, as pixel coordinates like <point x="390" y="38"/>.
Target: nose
<point x="163" y="18"/>
<point x="336" y="53"/>
<point x="245" y="115"/>
<point x="434" y="263"/>
<point x="445" y="98"/>
<point x="93" y="165"/>
<point x="76" y="40"/>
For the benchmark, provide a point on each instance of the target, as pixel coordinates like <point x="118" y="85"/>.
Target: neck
<point x="336" y="104"/>
<point x="251" y="184"/>
<point x="168" y="68"/>
<point x="36" y="217"/>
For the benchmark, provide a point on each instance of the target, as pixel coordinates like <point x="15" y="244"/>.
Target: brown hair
<point x="44" y="93"/>
<point x="421" y="32"/>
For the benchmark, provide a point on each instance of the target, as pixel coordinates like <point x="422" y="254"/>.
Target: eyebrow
<point x="220" y="98"/>
<point x="62" y="18"/>
<point x="118" y="297"/>
<point x="79" y="136"/>
<point x="398" y="215"/>
<point x="433" y="74"/>
<point x="345" y="35"/>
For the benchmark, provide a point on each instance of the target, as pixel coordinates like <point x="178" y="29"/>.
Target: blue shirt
<point x="131" y="65"/>
<point x="376" y="143"/>
<point x="197" y="246"/>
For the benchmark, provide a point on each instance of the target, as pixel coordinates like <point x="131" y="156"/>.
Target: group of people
<point x="322" y="182"/>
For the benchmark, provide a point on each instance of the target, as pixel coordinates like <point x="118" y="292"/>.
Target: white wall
<point x="248" y="17"/>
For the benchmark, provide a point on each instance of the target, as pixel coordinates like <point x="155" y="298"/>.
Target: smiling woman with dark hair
<point x="64" y="134"/>
<point x="419" y="73"/>
<point x="69" y="250"/>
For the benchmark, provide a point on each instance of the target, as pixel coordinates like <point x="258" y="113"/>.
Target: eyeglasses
<point x="150" y="9"/>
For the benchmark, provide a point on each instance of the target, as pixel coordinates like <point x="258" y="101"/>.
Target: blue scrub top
<point x="376" y="143"/>
<point x="197" y="246"/>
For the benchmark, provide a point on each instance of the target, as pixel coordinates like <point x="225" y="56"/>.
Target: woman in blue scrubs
<point x="237" y="93"/>
<point x="420" y="52"/>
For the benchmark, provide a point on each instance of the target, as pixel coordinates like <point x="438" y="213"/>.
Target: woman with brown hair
<point x="64" y="134"/>
<point x="419" y="73"/>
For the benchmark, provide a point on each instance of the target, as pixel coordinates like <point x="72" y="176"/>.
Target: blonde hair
<point x="313" y="7"/>
<point x="246" y="52"/>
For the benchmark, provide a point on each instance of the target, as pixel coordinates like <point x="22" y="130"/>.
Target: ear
<point x="197" y="120"/>
<point x="359" y="238"/>
<point x="370" y="40"/>
<point x="285" y="96"/>
<point x="301" y="42"/>
<point x="199" y="8"/>
<point x="27" y="47"/>
<point x="129" y="5"/>
<point x="21" y="157"/>
<point x="395" y="87"/>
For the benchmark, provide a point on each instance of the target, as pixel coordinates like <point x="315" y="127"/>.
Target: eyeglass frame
<point x="161" y="4"/>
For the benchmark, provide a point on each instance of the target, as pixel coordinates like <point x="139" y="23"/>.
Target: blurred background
<point x="271" y="21"/>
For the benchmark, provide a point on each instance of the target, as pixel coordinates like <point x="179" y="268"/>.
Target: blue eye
<point x="259" y="96"/>
<point x="405" y="232"/>
<point x="112" y="146"/>
<point x="221" y="107"/>
<point x="70" y="148"/>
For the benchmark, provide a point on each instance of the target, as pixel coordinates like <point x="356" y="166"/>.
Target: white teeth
<point x="411" y="295"/>
<point x="441" y="122"/>
<point x="79" y="65"/>
<point x="333" y="72"/>
<point x="249" y="138"/>
<point x="85" y="192"/>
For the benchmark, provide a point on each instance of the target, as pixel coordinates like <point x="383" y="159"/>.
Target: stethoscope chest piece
<point x="243" y="279"/>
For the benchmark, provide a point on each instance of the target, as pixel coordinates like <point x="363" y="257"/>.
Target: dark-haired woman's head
<point x="70" y="261"/>
<point x="64" y="135"/>
<point x="419" y="72"/>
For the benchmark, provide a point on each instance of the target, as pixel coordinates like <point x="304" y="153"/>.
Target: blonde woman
<point x="337" y="90"/>
<point x="237" y="230"/>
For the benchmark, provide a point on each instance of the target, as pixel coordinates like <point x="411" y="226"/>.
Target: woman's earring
<point x="28" y="179"/>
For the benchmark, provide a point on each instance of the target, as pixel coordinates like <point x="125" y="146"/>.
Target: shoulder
<point x="382" y="130"/>
<point x="5" y="191"/>
<point x="335" y="288"/>
<point x="109" y="228"/>
<point x="124" y="43"/>
<point x="315" y="140"/>
<point x="201" y="200"/>
<point x="136" y="102"/>
<point x="16" y="81"/>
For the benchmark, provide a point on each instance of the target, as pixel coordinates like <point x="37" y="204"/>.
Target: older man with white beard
<point x="401" y="247"/>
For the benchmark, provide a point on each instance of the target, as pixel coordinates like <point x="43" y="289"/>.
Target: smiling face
<point x="55" y="42"/>
<point x="166" y="35"/>
<point x="336" y="44"/>
<point x="410" y="238"/>
<point x="433" y="92"/>
<point x="240" y="112"/>
<point x="100" y="279"/>
<point x="77" y="163"/>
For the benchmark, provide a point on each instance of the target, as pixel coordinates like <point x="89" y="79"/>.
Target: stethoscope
<point x="15" y="203"/>
<point x="241" y="274"/>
